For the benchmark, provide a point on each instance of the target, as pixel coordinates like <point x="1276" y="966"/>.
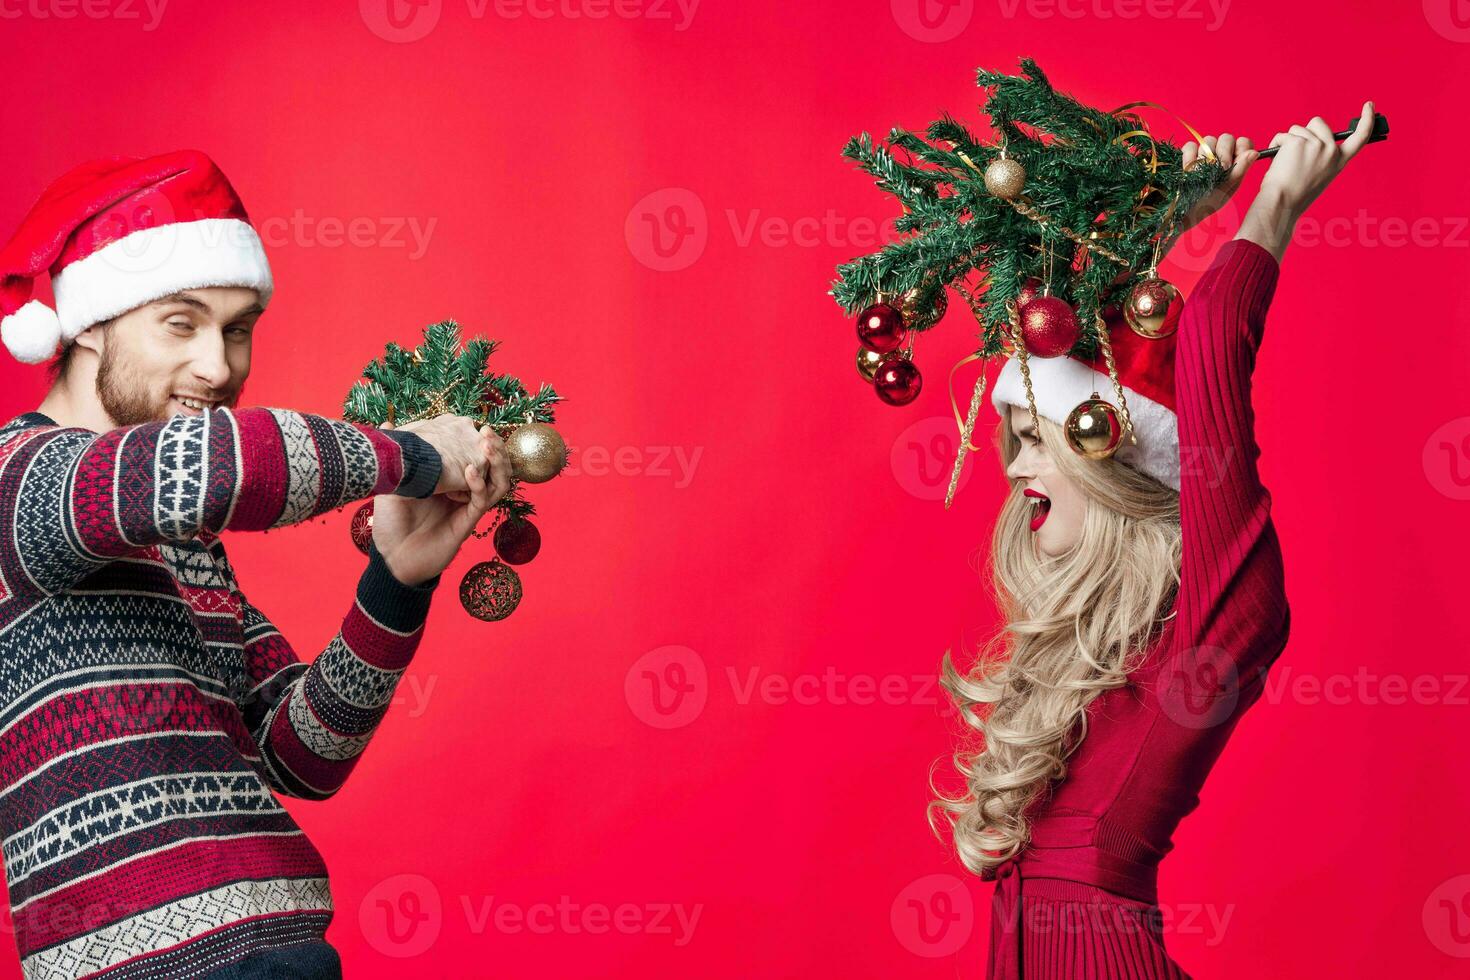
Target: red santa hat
<point x="120" y="232"/>
<point x="1146" y="372"/>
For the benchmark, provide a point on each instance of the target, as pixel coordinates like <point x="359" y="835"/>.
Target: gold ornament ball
<point x="490" y="591"/>
<point x="537" y="452"/>
<point x="1152" y="308"/>
<point x="867" y="363"/>
<point x="1005" y="178"/>
<point x="919" y="318"/>
<point x="1093" y="429"/>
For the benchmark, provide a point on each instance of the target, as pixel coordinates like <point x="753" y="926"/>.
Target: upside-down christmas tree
<point x="1061" y="213"/>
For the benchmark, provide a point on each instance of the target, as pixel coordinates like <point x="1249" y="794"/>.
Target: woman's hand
<point x="1236" y="156"/>
<point x="1307" y="161"/>
<point x="419" y="537"/>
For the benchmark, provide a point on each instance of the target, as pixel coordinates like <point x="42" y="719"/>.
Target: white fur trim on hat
<point x="32" y="333"/>
<point x="1059" y="383"/>
<point x="155" y="262"/>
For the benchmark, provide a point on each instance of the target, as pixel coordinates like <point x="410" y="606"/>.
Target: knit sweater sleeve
<point x="73" y="500"/>
<point x="1233" y="613"/>
<point x="312" y="723"/>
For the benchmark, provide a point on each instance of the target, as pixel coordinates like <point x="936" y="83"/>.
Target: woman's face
<point x="1058" y="504"/>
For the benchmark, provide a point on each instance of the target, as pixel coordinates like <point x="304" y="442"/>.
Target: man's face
<point x="176" y="356"/>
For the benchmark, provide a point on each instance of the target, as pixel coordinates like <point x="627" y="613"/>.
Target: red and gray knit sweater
<point x="148" y="710"/>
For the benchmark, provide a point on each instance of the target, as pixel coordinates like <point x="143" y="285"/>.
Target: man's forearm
<point x="77" y="499"/>
<point x="313" y="723"/>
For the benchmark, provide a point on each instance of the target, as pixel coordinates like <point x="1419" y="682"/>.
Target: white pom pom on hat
<point x="120" y="232"/>
<point x="33" y="333"/>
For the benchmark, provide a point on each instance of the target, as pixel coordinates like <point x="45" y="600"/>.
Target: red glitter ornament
<point x="1049" y="326"/>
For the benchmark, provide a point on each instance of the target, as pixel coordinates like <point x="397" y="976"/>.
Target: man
<point x="147" y="709"/>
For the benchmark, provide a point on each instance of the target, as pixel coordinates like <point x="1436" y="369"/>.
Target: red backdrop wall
<point x="700" y="747"/>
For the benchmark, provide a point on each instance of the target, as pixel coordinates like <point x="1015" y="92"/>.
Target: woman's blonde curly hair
<point x="1074" y="627"/>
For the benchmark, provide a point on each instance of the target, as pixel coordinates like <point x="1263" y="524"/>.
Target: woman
<point x="1144" y="603"/>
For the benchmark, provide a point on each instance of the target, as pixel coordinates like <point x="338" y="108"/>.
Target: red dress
<point x="1080" y="901"/>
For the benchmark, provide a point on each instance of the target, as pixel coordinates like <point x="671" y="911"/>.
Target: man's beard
<point x="126" y="401"/>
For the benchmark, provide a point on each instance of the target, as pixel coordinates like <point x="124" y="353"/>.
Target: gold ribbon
<point x="1209" y="154"/>
<point x="1205" y="152"/>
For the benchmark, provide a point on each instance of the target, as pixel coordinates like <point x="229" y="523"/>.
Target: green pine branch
<point x="1081" y="173"/>
<point x="443" y="375"/>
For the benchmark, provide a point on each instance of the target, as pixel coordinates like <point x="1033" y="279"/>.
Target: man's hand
<point x="419" y="537"/>
<point x="459" y="443"/>
<point x="1307" y="161"/>
<point x="1236" y="156"/>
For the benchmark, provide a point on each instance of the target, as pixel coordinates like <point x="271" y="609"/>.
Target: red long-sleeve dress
<point x="1081" y="901"/>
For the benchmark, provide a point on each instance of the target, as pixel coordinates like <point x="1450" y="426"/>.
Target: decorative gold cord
<point x="1025" y="208"/>
<point x="1023" y="358"/>
<point x="1107" y="349"/>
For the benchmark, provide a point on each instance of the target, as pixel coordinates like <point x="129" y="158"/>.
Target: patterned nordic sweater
<point x="148" y="710"/>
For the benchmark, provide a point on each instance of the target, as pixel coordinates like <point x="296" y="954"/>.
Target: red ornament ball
<point x="897" y="381"/>
<point x="362" y="527"/>
<point x="1049" y="326"/>
<point x="881" y="328"/>
<point x="517" y="541"/>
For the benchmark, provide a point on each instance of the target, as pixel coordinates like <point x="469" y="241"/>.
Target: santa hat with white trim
<point x="117" y="233"/>
<point x="1145" y="370"/>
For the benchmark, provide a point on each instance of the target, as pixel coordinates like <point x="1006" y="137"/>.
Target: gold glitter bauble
<point x="490" y="591"/>
<point x="1093" y="429"/>
<point x="867" y="363"/>
<point x="537" y="452"/>
<point x="1005" y="178"/>
<point x="918" y="318"/>
<point x="1152" y="308"/>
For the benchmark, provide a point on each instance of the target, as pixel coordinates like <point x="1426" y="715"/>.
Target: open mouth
<point x="1040" y="507"/>
<point x="185" y="405"/>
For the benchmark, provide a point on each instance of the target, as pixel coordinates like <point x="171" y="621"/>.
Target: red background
<point x="1330" y="840"/>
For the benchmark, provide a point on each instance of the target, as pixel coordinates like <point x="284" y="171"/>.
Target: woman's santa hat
<point x="1146" y="372"/>
<point x="118" y="233"/>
